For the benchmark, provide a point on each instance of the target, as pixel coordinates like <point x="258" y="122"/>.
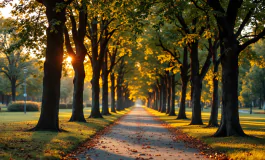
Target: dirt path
<point x="139" y="136"/>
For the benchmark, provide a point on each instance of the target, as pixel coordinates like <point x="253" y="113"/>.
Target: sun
<point x="69" y="59"/>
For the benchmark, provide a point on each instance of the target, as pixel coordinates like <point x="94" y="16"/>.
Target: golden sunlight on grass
<point x="252" y="147"/>
<point x="15" y="143"/>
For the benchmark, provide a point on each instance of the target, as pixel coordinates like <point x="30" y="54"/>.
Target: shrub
<point x="64" y="106"/>
<point x="69" y="105"/>
<point x="88" y="105"/>
<point x="18" y="106"/>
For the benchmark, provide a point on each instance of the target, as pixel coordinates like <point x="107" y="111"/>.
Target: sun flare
<point x="69" y="59"/>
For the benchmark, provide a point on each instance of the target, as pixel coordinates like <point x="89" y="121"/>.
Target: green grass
<point x="252" y="147"/>
<point x="15" y="143"/>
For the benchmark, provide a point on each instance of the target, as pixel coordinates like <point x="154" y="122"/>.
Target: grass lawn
<point x="15" y="143"/>
<point x="235" y="147"/>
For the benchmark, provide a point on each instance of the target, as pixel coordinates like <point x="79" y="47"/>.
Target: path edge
<point x="92" y="141"/>
<point x="203" y="148"/>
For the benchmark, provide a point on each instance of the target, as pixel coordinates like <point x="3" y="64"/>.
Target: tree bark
<point x="48" y="120"/>
<point x="95" y="111"/>
<point x="13" y="89"/>
<point x="105" y="87"/>
<point x="161" y="95"/>
<point x="230" y="124"/>
<point x="119" y="94"/>
<point x="3" y="99"/>
<point x="173" y="92"/>
<point x="7" y="100"/>
<point x="164" y="104"/>
<point x="77" y="108"/>
<point x="182" y="108"/>
<point x="213" y="121"/>
<point x="120" y="99"/>
<point x="157" y="99"/>
<point x="168" y="93"/>
<point x="196" y="86"/>
<point x="97" y="59"/>
<point x="112" y="77"/>
<point x="184" y="79"/>
<point x="78" y="62"/>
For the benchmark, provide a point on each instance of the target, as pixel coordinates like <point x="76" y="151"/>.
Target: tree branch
<point x="243" y="24"/>
<point x="253" y="40"/>
<point x="232" y="11"/>
<point x="207" y="63"/>
<point x="68" y="46"/>
<point x="74" y="29"/>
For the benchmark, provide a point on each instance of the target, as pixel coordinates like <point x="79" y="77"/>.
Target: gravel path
<point x="139" y="136"/>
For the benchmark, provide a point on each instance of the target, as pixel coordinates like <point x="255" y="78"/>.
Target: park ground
<point x="15" y="143"/>
<point x="251" y="147"/>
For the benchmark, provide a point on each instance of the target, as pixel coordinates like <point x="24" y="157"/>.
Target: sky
<point x="6" y="11"/>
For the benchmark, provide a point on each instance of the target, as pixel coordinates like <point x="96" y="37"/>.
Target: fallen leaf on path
<point x="133" y="150"/>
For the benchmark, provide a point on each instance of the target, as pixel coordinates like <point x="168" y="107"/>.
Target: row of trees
<point x="167" y="43"/>
<point x="87" y="35"/>
<point x="192" y="35"/>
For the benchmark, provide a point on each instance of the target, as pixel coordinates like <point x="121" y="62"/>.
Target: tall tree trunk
<point x="168" y="93"/>
<point x="157" y="99"/>
<point x="213" y="121"/>
<point x="196" y="103"/>
<point x="149" y="101"/>
<point x="112" y="77"/>
<point x="48" y="120"/>
<point x="119" y="94"/>
<point x="196" y="86"/>
<point x="7" y="100"/>
<point x="13" y="89"/>
<point x="172" y="108"/>
<point x="230" y="124"/>
<point x="95" y="111"/>
<point x="161" y="95"/>
<point x="105" y="87"/>
<point x="184" y="80"/>
<point x="164" y="104"/>
<point x="3" y="99"/>
<point x="122" y="97"/>
<point x="78" y="62"/>
<point x="182" y="108"/>
<point x="77" y="108"/>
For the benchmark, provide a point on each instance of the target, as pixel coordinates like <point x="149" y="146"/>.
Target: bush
<point x="65" y="106"/>
<point x="18" y="106"/>
<point x="69" y="105"/>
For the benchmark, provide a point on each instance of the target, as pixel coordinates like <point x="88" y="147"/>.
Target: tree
<point x="113" y="58"/>
<point x="191" y="28"/>
<point x="231" y="23"/>
<point x="4" y="90"/>
<point x="78" y="58"/>
<point x="49" y="120"/>
<point x="13" y="57"/>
